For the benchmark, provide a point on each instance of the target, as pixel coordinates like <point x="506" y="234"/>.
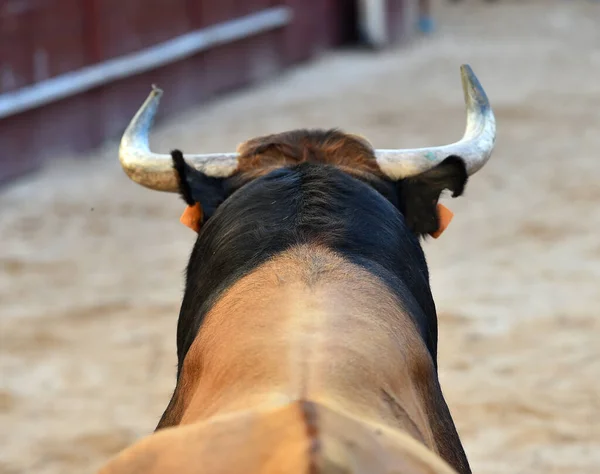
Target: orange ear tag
<point x="445" y="215"/>
<point x="192" y="217"/>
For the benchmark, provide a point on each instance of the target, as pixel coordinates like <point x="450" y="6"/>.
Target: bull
<point x="307" y="334"/>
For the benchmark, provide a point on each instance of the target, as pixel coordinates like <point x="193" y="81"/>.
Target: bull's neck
<point x="307" y="326"/>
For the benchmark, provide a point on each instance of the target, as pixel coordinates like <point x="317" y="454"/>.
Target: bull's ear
<point x="196" y="187"/>
<point x="419" y="195"/>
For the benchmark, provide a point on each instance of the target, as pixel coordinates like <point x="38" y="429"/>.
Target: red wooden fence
<point x="41" y="41"/>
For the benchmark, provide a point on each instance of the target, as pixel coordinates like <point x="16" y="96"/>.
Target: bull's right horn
<point x="475" y="147"/>
<point x="154" y="170"/>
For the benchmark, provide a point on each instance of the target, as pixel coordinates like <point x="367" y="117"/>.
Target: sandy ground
<point x="91" y="264"/>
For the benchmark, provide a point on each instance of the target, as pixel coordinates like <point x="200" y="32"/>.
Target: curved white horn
<point x="475" y="148"/>
<point x="154" y="170"/>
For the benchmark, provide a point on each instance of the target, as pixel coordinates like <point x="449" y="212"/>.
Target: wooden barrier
<point x="73" y="72"/>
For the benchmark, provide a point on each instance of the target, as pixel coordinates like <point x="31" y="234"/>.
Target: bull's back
<point x="298" y="438"/>
<point x="306" y="365"/>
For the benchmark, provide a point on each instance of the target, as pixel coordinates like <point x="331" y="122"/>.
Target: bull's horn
<point x="155" y="171"/>
<point x="475" y="148"/>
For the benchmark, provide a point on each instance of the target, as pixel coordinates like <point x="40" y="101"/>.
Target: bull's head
<point x="432" y="168"/>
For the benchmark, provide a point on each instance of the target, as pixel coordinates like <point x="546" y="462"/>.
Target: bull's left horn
<point x="475" y="148"/>
<point x="154" y="170"/>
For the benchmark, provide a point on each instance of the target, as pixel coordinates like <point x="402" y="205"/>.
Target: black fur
<point x="197" y="187"/>
<point x="418" y="196"/>
<point x="374" y="224"/>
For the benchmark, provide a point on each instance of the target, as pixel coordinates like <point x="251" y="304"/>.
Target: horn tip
<point x="472" y="86"/>
<point x="156" y="91"/>
<point x="467" y="74"/>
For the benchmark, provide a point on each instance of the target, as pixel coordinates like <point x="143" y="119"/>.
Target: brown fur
<point x="351" y="153"/>
<point x="308" y="364"/>
<point x="278" y="440"/>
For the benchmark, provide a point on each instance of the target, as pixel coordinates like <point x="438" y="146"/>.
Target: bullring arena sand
<point x="91" y="264"/>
